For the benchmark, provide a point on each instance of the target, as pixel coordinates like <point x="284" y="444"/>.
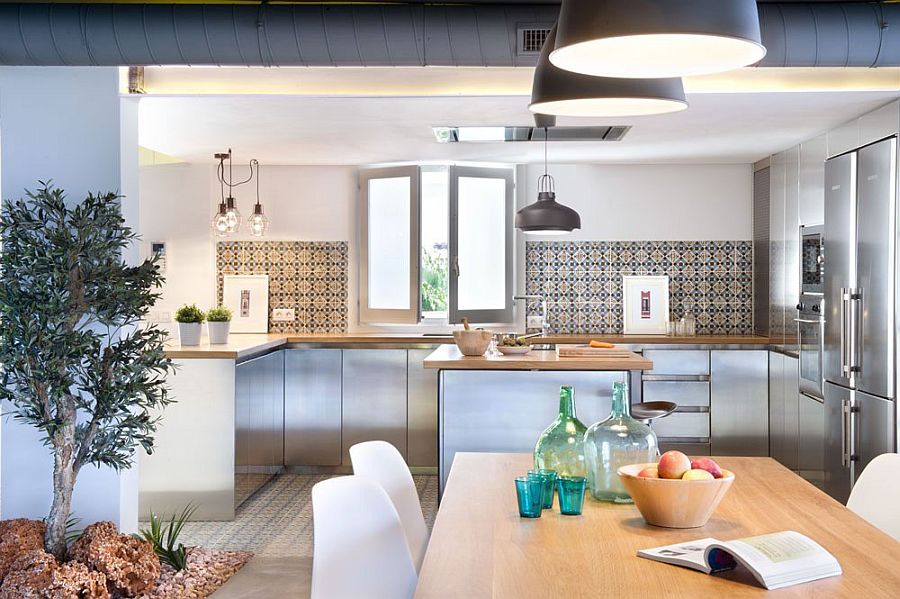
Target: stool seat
<point x="651" y="410"/>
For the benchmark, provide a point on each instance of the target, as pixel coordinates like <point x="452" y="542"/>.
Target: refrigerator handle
<point x="847" y="432"/>
<point x="845" y="367"/>
<point x="855" y="302"/>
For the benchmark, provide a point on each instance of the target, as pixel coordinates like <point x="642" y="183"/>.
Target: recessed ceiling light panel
<point x="656" y="38"/>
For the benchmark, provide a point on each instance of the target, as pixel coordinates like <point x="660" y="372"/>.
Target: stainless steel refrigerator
<point x="859" y="303"/>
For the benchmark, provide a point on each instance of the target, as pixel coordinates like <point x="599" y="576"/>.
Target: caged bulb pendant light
<point x="564" y="93"/>
<point x="657" y="38"/>
<point x="258" y="222"/>
<point x="232" y="214"/>
<point x="220" y="218"/>
<point x="546" y="216"/>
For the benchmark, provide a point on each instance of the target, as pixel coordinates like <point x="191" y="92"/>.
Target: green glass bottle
<point x="561" y="446"/>
<point x="617" y="441"/>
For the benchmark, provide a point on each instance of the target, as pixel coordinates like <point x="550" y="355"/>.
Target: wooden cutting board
<point x="586" y="351"/>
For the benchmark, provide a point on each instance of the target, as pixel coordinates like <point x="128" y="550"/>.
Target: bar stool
<point x="651" y="410"/>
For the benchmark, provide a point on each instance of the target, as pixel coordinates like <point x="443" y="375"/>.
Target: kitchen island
<point x="496" y="403"/>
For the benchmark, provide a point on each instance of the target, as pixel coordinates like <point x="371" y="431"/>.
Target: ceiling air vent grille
<point x="531" y="38"/>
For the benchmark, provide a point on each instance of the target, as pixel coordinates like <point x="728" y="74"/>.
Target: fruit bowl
<point x="674" y="503"/>
<point x="513" y="350"/>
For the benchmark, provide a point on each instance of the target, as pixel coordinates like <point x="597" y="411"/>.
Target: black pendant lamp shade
<point x="547" y="216"/>
<point x="657" y="38"/>
<point x="564" y="93"/>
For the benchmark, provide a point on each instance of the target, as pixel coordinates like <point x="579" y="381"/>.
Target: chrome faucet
<point x="545" y="326"/>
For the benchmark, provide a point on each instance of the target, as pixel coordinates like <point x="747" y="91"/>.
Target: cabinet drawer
<point x="691" y="449"/>
<point x="678" y="361"/>
<point x="682" y="393"/>
<point x="683" y="424"/>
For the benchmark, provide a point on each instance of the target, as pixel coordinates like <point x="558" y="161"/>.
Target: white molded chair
<point x="359" y="548"/>
<point x="380" y="461"/>
<point x="876" y="494"/>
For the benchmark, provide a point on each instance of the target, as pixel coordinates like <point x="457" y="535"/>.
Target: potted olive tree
<point x="218" y="321"/>
<point x="190" y="322"/>
<point x="74" y="362"/>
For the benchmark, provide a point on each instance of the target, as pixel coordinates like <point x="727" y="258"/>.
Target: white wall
<point x="307" y="203"/>
<point x="68" y="125"/>
<point x="652" y="202"/>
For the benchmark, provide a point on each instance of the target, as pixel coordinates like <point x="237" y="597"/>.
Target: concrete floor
<point x="268" y="578"/>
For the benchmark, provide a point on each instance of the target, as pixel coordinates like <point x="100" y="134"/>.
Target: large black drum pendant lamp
<point x="563" y="93"/>
<point x="657" y="38"/>
<point x="547" y="216"/>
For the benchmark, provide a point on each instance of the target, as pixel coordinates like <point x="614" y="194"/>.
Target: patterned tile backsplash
<point x="308" y="276"/>
<point x="582" y="282"/>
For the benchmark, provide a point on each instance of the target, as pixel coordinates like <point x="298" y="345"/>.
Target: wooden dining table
<point x="481" y="548"/>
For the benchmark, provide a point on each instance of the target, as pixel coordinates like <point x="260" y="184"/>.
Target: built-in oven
<point x="812" y="260"/>
<point x="810" y="329"/>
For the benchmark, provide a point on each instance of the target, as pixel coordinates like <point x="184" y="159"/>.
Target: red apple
<point x="673" y="464"/>
<point x="708" y="465"/>
<point x="649" y="472"/>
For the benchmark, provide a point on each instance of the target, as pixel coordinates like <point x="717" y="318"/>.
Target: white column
<point x="70" y="126"/>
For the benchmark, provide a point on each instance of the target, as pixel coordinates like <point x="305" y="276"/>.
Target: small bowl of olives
<point x="514" y="346"/>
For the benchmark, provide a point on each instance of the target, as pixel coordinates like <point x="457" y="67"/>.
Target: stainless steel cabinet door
<point x="241" y="433"/>
<point x="312" y="407"/>
<point x="275" y="398"/>
<point x="812" y="179"/>
<point x="791" y="244"/>
<point x="422" y="411"/>
<point x="873" y="431"/>
<point x="777" y="273"/>
<point x="875" y="269"/>
<point x="374" y="398"/>
<point x="739" y="423"/>
<point x="840" y="269"/>
<point x="837" y="442"/>
<point x="791" y="382"/>
<point x="812" y="440"/>
<point x="776" y="405"/>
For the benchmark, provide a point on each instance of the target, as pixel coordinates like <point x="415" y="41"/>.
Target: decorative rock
<point x="36" y="575"/>
<point x="206" y="570"/>
<point x="130" y="565"/>
<point x="17" y="537"/>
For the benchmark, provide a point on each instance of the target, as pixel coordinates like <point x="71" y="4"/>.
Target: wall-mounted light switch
<point x="534" y="322"/>
<point x="283" y="315"/>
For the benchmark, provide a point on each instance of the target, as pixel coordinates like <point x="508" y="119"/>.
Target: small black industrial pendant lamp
<point x="564" y="93"/>
<point x="547" y="216"/>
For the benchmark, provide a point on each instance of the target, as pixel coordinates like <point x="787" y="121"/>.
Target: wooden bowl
<point x="674" y="503"/>
<point x="472" y="343"/>
<point x="513" y="350"/>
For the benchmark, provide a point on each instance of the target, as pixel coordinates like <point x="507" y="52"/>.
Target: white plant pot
<point x="189" y="333"/>
<point x="218" y="332"/>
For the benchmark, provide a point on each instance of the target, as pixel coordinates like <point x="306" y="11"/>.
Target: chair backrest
<point x="876" y="494"/>
<point x="359" y="548"/>
<point x="380" y="461"/>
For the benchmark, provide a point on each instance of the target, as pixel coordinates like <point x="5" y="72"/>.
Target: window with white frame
<point x="436" y="244"/>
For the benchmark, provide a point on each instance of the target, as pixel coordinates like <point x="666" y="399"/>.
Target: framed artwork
<point x="645" y="301"/>
<point x="247" y="296"/>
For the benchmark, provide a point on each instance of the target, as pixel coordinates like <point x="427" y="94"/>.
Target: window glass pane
<point x="482" y="244"/>
<point x="435" y="217"/>
<point x="389" y="272"/>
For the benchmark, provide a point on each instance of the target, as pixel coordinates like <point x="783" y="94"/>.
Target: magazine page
<point x="691" y="554"/>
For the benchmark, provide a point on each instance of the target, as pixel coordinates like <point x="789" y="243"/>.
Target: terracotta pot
<point x="472" y="343"/>
<point x="189" y="333"/>
<point x="674" y="503"/>
<point x="218" y="332"/>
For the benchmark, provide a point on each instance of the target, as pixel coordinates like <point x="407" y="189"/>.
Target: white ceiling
<point x="283" y="129"/>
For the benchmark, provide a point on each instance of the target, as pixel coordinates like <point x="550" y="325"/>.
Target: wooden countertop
<point x="241" y="345"/>
<point x="480" y="548"/>
<point x="448" y="357"/>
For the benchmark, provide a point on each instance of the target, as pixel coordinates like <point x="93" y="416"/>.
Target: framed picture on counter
<point x="247" y="296"/>
<point x="645" y="301"/>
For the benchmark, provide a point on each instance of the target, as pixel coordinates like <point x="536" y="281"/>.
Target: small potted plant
<point x="190" y="320"/>
<point x="218" y="321"/>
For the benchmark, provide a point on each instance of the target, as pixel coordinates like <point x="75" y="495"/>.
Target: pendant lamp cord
<point x="255" y="163"/>
<point x="546" y="183"/>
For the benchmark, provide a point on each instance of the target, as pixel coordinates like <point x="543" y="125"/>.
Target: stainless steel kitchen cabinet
<point x="312" y="407"/>
<point x="812" y="181"/>
<point x="678" y="361"/>
<point x="739" y="423"/>
<point x="811" y="461"/>
<point x="784" y="409"/>
<point x="241" y="433"/>
<point x="374" y="398"/>
<point x="422" y="411"/>
<point x="777" y="273"/>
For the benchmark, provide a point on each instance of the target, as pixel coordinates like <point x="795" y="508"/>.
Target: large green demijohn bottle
<point x="617" y="441"/>
<point x="561" y="446"/>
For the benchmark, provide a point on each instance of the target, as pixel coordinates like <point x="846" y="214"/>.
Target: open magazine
<point x="777" y="560"/>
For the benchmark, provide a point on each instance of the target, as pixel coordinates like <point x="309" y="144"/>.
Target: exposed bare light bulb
<point x="258" y="221"/>
<point x="220" y="221"/>
<point x="233" y="217"/>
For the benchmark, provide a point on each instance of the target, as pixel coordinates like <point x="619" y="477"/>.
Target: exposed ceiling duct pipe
<point x="825" y="34"/>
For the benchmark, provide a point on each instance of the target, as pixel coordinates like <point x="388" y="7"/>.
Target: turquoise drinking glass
<point x="529" y="490"/>
<point x="549" y="479"/>
<point x="571" y="495"/>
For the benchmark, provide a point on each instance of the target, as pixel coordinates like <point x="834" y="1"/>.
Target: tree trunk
<point x="64" y="473"/>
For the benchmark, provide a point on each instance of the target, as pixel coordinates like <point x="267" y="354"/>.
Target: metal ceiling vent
<point x="531" y="37"/>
